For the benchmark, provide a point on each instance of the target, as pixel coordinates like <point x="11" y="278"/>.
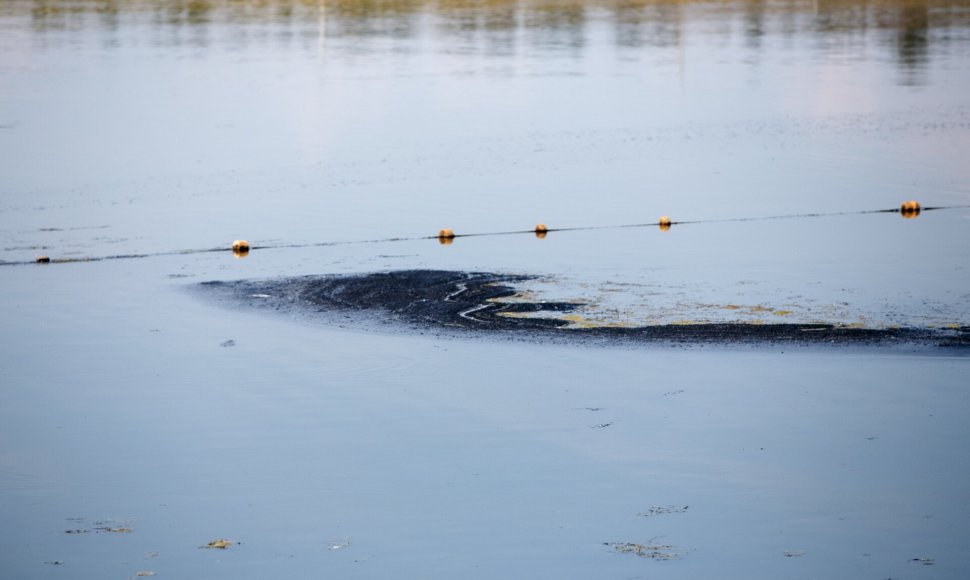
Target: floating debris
<point x="220" y="544"/>
<point x="662" y="510"/>
<point x="115" y="530"/>
<point x="102" y="530"/>
<point x="101" y="527"/>
<point x="794" y="553"/>
<point x="228" y="343"/>
<point x="340" y="545"/>
<point x="144" y="573"/>
<point x="55" y="563"/>
<point x="924" y="561"/>
<point x="664" y="223"/>
<point x="601" y="426"/>
<point x="652" y="552"/>
<point x="43" y="260"/>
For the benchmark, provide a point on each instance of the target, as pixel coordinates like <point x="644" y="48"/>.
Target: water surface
<point x="338" y="137"/>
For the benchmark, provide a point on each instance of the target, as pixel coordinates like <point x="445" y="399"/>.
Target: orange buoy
<point x="240" y="248"/>
<point x="446" y="236"/>
<point x="664" y="223"/>
<point x="909" y="209"/>
<point x="43" y="260"/>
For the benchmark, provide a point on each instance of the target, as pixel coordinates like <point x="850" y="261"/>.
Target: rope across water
<point x="241" y="248"/>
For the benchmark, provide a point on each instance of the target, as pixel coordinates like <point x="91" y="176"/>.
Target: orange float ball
<point x="240" y="248"/>
<point x="446" y="236"/>
<point x="909" y="209"/>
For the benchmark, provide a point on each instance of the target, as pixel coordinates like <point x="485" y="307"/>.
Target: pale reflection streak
<point x="321" y="30"/>
<point x="907" y="28"/>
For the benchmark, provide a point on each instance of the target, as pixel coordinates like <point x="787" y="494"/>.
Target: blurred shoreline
<point x="503" y="27"/>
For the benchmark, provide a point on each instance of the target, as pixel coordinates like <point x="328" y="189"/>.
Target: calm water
<point x="147" y="127"/>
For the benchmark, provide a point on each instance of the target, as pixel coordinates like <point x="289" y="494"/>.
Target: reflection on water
<point x="912" y="39"/>
<point x="912" y="31"/>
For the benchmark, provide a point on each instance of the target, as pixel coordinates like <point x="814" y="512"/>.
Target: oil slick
<point x="452" y="301"/>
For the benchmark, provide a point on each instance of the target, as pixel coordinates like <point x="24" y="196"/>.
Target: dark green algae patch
<point x="482" y="302"/>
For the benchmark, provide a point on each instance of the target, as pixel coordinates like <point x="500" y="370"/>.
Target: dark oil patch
<point x="487" y="302"/>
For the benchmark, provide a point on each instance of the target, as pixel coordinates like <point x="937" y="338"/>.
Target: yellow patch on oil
<point x="683" y="322"/>
<point x="579" y="321"/>
<point x="782" y="312"/>
<point x="220" y="544"/>
<point x="522" y="296"/>
<point x="854" y="325"/>
<point x="952" y="326"/>
<point x="514" y="314"/>
<point x="120" y="530"/>
<point x="758" y="309"/>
